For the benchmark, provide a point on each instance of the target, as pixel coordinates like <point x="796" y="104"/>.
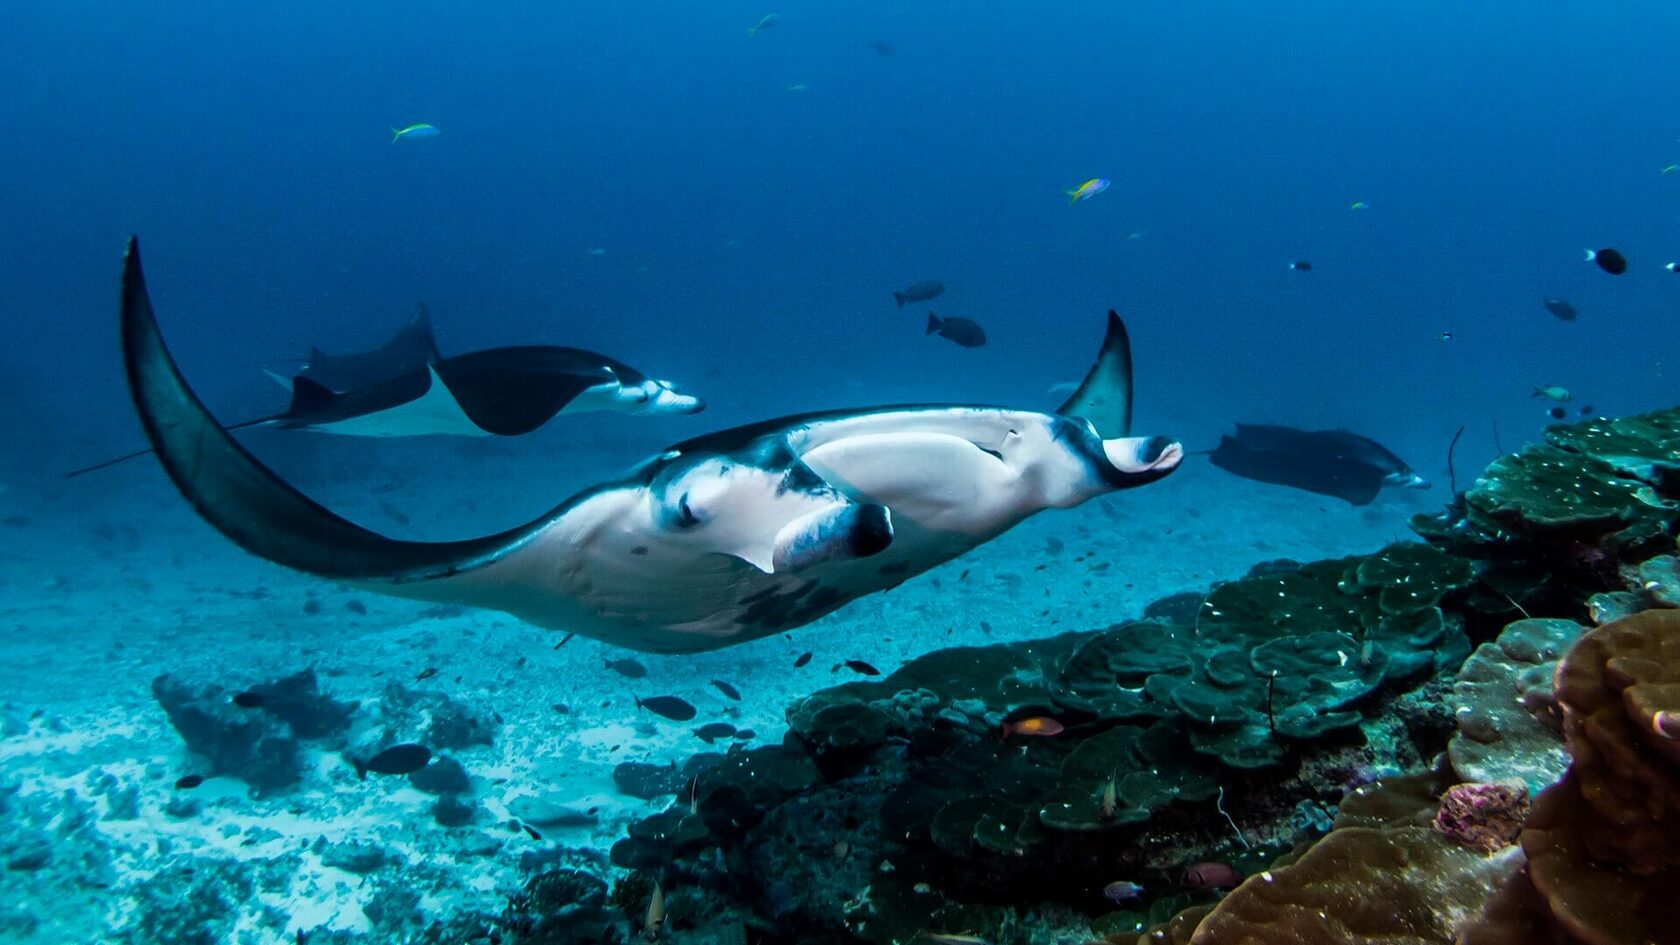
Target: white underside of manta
<point x="726" y="538"/>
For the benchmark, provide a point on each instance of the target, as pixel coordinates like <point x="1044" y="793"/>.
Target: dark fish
<point x="862" y="668"/>
<point x="1053" y="545"/>
<point x="564" y="640"/>
<point x="248" y="700"/>
<point x="886" y="49"/>
<point x="1561" y="309"/>
<point x="531" y="830"/>
<point x="745" y="735"/>
<point x="919" y="292"/>
<point x="628" y="668"/>
<point x="804" y="658"/>
<point x="1211" y="876"/>
<point x="727" y="689"/>
<point x="189" y="782"/>
<point x="1558" y="413"/>
<point x="713" y="731"/>
<point x="1608" y="259"/>
<point x="669" y="707"/>
<point x="1301" y="265"/>
<point x="406" y="758"/>
<point x="426" y="674"/>
<point x="1586" y="410"/>
<point x="965" y="333"/>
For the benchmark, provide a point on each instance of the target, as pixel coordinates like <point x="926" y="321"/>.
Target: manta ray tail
<point x="1105" y="396"/>
<point x="246" y="501"/>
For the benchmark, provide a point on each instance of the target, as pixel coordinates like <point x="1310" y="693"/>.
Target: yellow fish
<point x="420" y="130"/>
<point x="1087" y="190"/>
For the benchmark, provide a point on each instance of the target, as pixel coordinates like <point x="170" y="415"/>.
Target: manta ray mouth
<point x="1134" y="456"/>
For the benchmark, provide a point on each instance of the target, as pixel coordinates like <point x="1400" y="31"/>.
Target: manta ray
<point x="1335" y="463"/>
<point x="407" y="388"/>
<point x="721" y="539"/>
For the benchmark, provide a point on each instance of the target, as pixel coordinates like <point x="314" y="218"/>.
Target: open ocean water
<point x="725" y="196"/>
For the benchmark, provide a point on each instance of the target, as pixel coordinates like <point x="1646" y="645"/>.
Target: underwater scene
<point x="872" y="473"/>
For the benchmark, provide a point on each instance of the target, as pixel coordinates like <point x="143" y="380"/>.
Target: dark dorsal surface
<point x="409" y="350"/>
<point x="512" y="391"/>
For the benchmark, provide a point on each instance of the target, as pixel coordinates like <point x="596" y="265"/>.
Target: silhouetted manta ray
<point x="405" y="388"/>
<point x="725" y="538"/>
<point x="1335" y="463"/>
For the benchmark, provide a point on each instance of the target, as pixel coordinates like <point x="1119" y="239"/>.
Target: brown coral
<point x="1603" y="844"/>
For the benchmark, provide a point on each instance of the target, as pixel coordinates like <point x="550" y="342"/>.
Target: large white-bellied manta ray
<point x="724" y="538"/>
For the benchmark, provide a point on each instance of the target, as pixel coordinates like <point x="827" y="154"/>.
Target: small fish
<point x="564" y="640"/>
<point x="530" y="830"/>
<point x="862" y="668"/>
<point x="745" y="735"/>
<point x="426" y="674"/>
<point x="1359" y="205"/>
<point x="804" y="658"/>
<point x="669" y="707"/>
<point x="248" y="700"/>
<point x="1672" y="168"/>
<point x="712" y="731"/>
<point x="764" y="23"/>
<point x="628" y="668"/>
<point x="1560" y="395"/>
<point x="1608" y="259"/>
<point x="799" y="87"/>
<point x="419" y="130"/>
<point x="965" y="333"/>
<point x="1039" y="725"/>
<point x="919" y="292"/>
<point x="1560" y="309"/>
<point x="406" y="758"/>
<point x="1557" y="413"/>
<point x="1444" y="337"/>
<point x="727" y="689"/>
<point x="1672" y="267"/>
<point x="1586" y="410"/>
<point x="1301" y="265"/>
<point x="883" y="47"/>
<point x="1087" y="190"/>
<point x="189" y="782"/>
<point x="1109" y="802"/>
<point x="1122" y="891"/>
<point x="1053" y="545"/>
<point x="1211" y="876"/>
<point x="655" y="918"/>
<point x="953" y="938"/>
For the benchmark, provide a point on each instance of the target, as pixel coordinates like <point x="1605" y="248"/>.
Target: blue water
<point x="752" y="234"/>
<point x="733" y="212"/>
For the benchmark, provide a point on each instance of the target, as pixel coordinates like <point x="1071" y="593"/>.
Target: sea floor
<point x="106" y="583"/>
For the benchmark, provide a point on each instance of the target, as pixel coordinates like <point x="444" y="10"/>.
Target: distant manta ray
<point x="1335" y="463"/>
<point x="406" y="388"/>
<point x="729" y="537"/>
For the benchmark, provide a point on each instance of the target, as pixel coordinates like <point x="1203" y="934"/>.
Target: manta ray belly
<point x="936" y="481"/>
<point x="435" y="412"/>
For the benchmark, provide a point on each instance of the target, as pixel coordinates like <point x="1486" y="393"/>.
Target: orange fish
<point x="1035" y="725"/>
